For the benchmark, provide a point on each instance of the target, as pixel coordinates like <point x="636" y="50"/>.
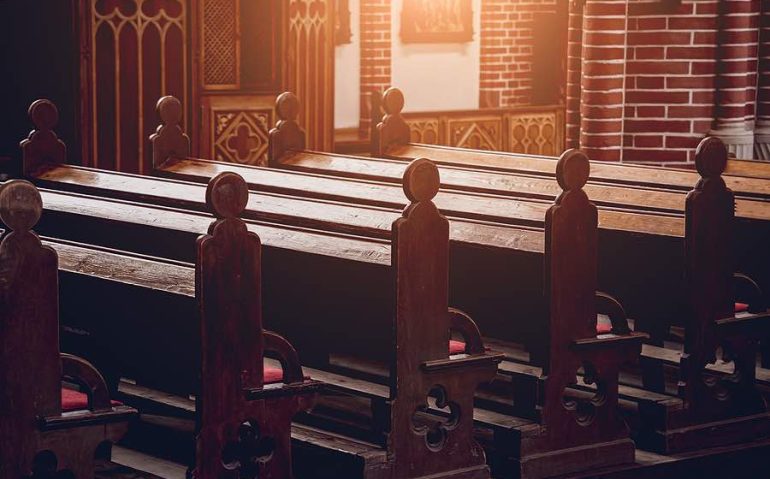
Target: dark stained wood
<point x="570" y="289"/>
<point x="748" y="168"/>
<point x="393" y="145"/>
<point x="422" y="366"/>
<point x="241" y="432"/>
<point x="32" y="425"/>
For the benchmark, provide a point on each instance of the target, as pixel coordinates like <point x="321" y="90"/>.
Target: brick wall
<point x="506" y="50"/>
<point x="375" y="54"/>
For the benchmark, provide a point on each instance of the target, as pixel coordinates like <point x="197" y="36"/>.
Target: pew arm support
<point x="286" y="355"/>
<point x="748" y="291"/>
<point x="85" y="374"/>
<point x="462" y="324"/>
<point x="606" y="304"/>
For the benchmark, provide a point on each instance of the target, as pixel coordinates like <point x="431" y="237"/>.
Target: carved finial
<point x="44" y="114"/>
<point x="711" y="157"/>
<point x="287" y="134"/>
<point x="287" y="106"/>
<point x="42" y="145"/>
<point x="20" y="205"/>
<point x="169" y="140"/>
<point x="170" y="110"/>
<point x="392" y="130"/>
<point x="421" y="180"/>
<point x="227" y="195"/>
<point x="572" y="170"/>
<point x="393" y="101"/>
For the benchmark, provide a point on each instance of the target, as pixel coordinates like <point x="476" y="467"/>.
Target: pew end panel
<point x="37" y="424"/>
<point x="712" y="325"/>
<point x="287" y="135"/>
<point x="424" y="371"/>
<point x="244" y="417"/>
<point x="571" y="425"/>
<point x="392" y="129"/>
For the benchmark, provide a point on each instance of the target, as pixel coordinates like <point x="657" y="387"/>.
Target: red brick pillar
<point x="737" y="54"/>
<point x="574" y="68"/>
<point x="762" y="129"/>
<point x="375" y="55"/>
<point x="602" y="87"/>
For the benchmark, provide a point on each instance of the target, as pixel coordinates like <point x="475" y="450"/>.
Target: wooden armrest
<point x="85" y="374"/>
<point x="608" y="341"/>
<point x="748" y="291"/>
<point x="606" y="304"/>
<point x="461" y="323"/>
<point x="286" y="355"/>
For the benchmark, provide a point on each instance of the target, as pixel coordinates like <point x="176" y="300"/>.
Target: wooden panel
<point x="311" y="67"/>
<point x="526" y="130"/>
<point x="136" y="51"/>
<point x="236" y="128"/>
<point x="219" y="30"/>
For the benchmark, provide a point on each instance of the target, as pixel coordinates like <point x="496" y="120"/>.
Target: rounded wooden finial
<point x="44" y="114"/>
<point x="20" y="205"/>
<point x="170" y="110"/>
<point x="393" y="101"/>
<point x="227" y="195"/>
<point x="421" y="180"/>
<point x="287" y="106"/>
<point x="572" y="170"/>
<point x="711" y="157"/>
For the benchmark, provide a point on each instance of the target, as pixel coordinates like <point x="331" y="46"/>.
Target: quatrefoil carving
<point x="720" y="386"/>
<point x="435" y="424"/>
<point x="248" y="451"/>
<point x="585" y="410"/>
<point x="45" y="465"/>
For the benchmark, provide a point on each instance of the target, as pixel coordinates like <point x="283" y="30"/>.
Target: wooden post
<point x="169" y="140"/>
<point x="392" y="130"/>
<point x="287" y="134"/>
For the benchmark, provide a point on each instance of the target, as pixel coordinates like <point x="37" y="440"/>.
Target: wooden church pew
<point x="45" y="428"/>
<point x="748" y="168"/>
<point x="458" y="377"/>
<point x="395" y="143"/>
<point x="222" y="314"/>
<point x="171" y="157"/>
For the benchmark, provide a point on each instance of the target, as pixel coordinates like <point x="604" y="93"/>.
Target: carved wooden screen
<point x="311" y="68"/>
<point x="135" y="51"/>
<point x="240" y="72"/>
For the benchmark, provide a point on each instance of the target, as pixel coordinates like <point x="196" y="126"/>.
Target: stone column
<point x="574" y="69"/>
<point x="603" y="78"/>
<point x="762" y="128"/>
<point x="737" y="54"/>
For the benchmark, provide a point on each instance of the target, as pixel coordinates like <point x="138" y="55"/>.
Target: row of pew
<point x="603" y="325"/>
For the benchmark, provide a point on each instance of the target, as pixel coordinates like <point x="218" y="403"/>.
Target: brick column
<point x="737" y="53"/>
<point x="574" y="69"/>
<point x="762" y="129"/>
<point x="375" y="55"/>
<point x="603" y="70"/>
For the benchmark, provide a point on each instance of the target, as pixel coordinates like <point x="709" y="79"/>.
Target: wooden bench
<point x="393" y="140"/>
<point x="213" y="304"/>
<point x="45" y="428"/>
<point x="620" y="230"/>
<point x="530" y="270"/>
<point x="748" y="168"/>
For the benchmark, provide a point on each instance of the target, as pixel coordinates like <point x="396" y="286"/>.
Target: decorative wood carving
<point x="33" y="431"/>
<point x="287" y="134"/>
<point x="244" y="430"/>
<point x="220" y="55"/>
<point x="437" y="21"/>
<point x="42" y="146"/>
<point x="311" y="76"/>
<point x="532" y="130"/>
<point x="169" y="140"/>
<point x="134" y="52"/>
<point x="711" y="325"/>
<point x="423" y="370"/>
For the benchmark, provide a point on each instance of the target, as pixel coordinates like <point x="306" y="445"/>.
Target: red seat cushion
<point x="741" y="307"/>
<point x="456" y="347"/>
<point x="603" y="328"/>
<point x="72" y="400"/>
<point x="273" y="375"/>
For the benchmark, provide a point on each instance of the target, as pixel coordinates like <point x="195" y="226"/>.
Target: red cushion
<point x="741" y="307"/>
<point x="72" y="400"/>
<point x="456" y="347"/>
<point x="273" y="375"/>
<point x="603" y="328"/>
